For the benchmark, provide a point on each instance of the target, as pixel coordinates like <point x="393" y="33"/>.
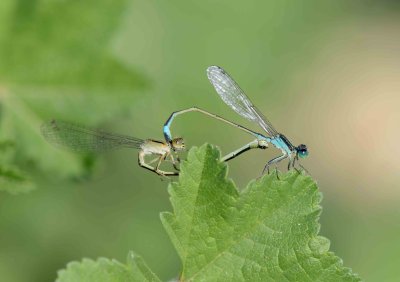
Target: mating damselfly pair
<point x="83" y="139"/>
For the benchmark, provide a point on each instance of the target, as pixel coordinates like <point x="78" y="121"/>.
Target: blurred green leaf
<point x="57" y="61"/>
<point x="268" y="232"/>
<point x="107" y="270"/>
<point x="63" y="43"/>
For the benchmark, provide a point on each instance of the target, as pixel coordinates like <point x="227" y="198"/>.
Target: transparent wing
<point x="234" y="97"/>
<point x="82" y="139"/>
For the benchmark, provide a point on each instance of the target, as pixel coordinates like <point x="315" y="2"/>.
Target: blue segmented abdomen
<point x="167" y="132"/>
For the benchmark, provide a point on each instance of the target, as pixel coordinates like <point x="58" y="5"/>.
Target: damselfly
<point x="234" y="97"/>
<point x="83" y="139"/>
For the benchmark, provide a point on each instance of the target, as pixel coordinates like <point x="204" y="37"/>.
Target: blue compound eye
<point x="302" y="151"/>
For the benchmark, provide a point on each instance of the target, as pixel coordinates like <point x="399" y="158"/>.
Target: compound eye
<point x="303" y="153"/>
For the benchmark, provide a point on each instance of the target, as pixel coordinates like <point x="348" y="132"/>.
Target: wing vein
<point x="231" y="93"/>
<point x="84" y="139"/>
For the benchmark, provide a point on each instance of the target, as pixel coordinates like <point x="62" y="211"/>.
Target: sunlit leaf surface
<point x="267" y="232"/>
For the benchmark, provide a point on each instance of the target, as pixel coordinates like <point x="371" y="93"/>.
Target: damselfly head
<point x="302" y="151"/>
<point x="178" y="144"/>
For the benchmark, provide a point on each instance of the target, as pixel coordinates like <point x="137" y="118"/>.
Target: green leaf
<point x="267" y="232"/>
<point x="57" y="61"/>
<point x="107" y="270"/>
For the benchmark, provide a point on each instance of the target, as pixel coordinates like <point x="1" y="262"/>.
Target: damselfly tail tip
<point x="214" y="69"/>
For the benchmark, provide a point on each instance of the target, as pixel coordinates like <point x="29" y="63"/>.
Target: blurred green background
<point x="326" y="73"/>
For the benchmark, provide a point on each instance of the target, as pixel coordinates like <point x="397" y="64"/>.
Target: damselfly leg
<point x="273" y="161"/>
